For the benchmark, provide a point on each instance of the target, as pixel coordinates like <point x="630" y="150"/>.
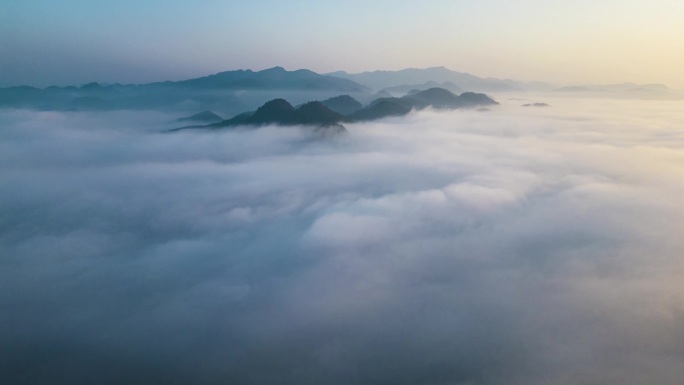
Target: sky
<point x="73" y="42"/>
<point x="511" y="245"/>
<point x="519" y="246"/>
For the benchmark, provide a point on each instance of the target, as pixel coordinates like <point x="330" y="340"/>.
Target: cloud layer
<point x="516" y="246"/>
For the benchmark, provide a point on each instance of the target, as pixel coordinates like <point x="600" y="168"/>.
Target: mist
<point x="510" y="246"/>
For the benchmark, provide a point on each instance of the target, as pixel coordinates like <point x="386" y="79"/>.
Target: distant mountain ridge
<point x="621" y="87"/>
<point x="230" y="92"/>
<point x="204" y="116"/>
<point x="273" y="78"/>
<point x="379" y="80"/>
<point x="240" y="87"/>
<point x="651" y="91"/>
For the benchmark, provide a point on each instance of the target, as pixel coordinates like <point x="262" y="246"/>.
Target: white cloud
<point x="516" y="246"/>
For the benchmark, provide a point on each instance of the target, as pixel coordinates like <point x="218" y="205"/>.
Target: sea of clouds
<point x="514" y="246"/>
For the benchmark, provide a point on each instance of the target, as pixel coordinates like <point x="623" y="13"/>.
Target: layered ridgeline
<point x="406" y="80"/>
<point x="411" y="78"/>
<point x="228" y="92"/>
<point x="328" y="115"/>
<point x="202" y="117"/>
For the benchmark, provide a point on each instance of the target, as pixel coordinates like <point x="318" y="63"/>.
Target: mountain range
<point x="379" y="80"/>
<point x="276" y="78"/>
<point x="225" y="91"/>
<point x="230" y="92"/>
<point x="327" y="116"/>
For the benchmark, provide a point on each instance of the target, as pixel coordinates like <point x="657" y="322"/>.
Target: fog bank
<point x="513" y="246"/>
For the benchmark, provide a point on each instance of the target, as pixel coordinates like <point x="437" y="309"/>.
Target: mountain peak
<point x="92" y="86"/>
<point x="343" y="104"/>
<point x="277" y="69"/>
<point x="204" y="116"/>
<point x="276" y="78"/>
<point x="316" y="113"/>
<point x="276" y="110"/>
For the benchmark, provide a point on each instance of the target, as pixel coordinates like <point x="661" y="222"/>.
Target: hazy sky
<point x="583" y="41"/>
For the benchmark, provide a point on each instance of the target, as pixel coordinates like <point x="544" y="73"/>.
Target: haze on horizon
<point x="73" y="42"/>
